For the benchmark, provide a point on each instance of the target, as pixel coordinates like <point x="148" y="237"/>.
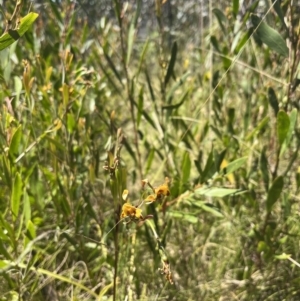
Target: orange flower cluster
<point x="133" y="212"/>
<point x="158" y="193"/>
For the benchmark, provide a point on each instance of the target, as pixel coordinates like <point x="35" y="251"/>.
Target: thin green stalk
<point x="128" y="89"/>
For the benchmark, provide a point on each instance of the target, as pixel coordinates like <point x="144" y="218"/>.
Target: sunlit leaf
<point x="234" y="165"/>
<point x="208" y="208"/>
<point x="186" y="167"/>
<point x="184" y="216"/>
<point x="283" y="125"/>
<point x="283" y="256"/>
<point x="130" y="41"/>
<point x="235" y="7"/>
<point x="9" y="37"/>
<point x="15" y="141"/>
<point x="218" y="192"/>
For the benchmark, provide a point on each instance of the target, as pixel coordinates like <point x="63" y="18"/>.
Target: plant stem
<point x="130" y="96"/>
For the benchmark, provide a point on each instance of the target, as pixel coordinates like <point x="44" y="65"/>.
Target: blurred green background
<point x="202" y="92"/>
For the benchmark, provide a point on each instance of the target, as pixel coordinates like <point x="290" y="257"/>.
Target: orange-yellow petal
<point x="162" y="190"/>
<point x="125" y="194"/>
<point x="150" y="198"/>
<point x="131" y="211"/>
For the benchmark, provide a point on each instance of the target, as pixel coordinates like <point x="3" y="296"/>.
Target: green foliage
<point x="274" y="192"/>
<point x="93" y="107"/>
<point x="269" y="36"/>
<point x="12" y="35"/>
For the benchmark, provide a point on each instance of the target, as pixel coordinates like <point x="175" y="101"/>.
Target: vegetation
<point x="141" y="163"/>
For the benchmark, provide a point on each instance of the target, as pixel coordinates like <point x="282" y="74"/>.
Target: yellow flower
<point x="162" y="190"/>
<point x="159" y="193"/>
<point x="125" y="195"/>
<point x="150" y="198"/>
<point x="132" y="212"/>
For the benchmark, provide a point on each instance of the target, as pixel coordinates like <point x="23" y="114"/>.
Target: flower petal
<point x="150" y="198"/>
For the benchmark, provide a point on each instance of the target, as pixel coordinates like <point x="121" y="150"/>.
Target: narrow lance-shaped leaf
<point x="12" y="35"/>
<point x="293" y="119"/>
<point x="221" y="18"/>
<point x="283" y="125"/>
<point x="16" y="195"/>
<point x="15" y="141"/>
<point x="274" y="193"/>
<point x="140" y="106"/>
<point x="235" y="7"/>
<point x="277" y="8"/>
<point x="273" y="100"/>
<point x="269" y="36"/>
<point x="130" y="42"/>
<point x="234" y="165"/>
<point x="264" y="168"/>
<point x="218" y="192"/>
<point x="186" y="167"/>
<point x="171" y="63"/>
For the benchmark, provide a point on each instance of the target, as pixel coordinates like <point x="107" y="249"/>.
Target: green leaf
<point x="15" y="141"/>
<point x="13" y="35"/>
<point x="7" y="171"/>
<point x="130" y="42"/>
<point x="16" y="195"/>
<point x="283" y="125"/>
<point x="71" y="123"/>
<point x="273" y="100"/>
<point x="234" y="165"/>
<point x="171" y="63"/>
<point x="269" y="36"/>
<point x="150" y="158"/>
<point x="4" y="264"/>
<point x="142" y="57"/>
<point x="293" y="119"/>
<point x="274" y="193"/>
<point x="26" y="207"/>
<point x="262" y="247"/>
<point x="186" y="167"/>
<point x="179" y="104"/>
<point x="117" y="9"/>
<point x="207" y="208"/>
<point x="264" y="168"/>
<point x="220" y="17"/>
<point x="283" y="256"/>
<point x="140" y="106"/>
<point x="235" y="7"/>
<point x="217" y="192"/>
<point x="31" y="233"/>
<point x="260" y="126"/>
<point x="184" y="216"/>
<point x="277" y="8"/>
<point x="3" y="251"/>
<point x="242" y="41"/>
<point x="215" y="43"/>
<point x="209" y="168"/>
<point x="179" y="83"/>
<point x="65" y="91"/>
<point x="8" y="228"/>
